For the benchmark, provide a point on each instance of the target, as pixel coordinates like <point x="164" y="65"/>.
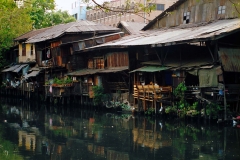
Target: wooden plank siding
<point x="117" y="59"/>
<point x="200" y="11"/>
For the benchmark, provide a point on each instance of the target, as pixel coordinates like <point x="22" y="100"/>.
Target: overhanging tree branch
<point x="235" y="5"/>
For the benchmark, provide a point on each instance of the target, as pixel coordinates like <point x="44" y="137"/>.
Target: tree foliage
<point x="34" y="14"/>
<point x="57" y="17"/>
<point x="128" y="6"/>
<point x="14" y="21"/>
<point x="43" y="15"/>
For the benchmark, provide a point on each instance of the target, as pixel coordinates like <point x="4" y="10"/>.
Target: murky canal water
<point x="40" y="132"/>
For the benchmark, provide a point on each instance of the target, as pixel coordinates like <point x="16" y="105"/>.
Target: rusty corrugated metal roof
<point x="30" y="34"/>
<point x="178" y="35"/>
<point x="81" y="26"/>
<point x="132" y="27"/>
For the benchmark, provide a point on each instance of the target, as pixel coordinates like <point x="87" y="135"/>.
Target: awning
<point x="32" y="74"/>
<point x="114" y="70"/>
<point x="83" y="72"/>
<point x="19" y="68"/>
<point x="11" y="68"/>
<point x="94" y="71"/>
<point x="150" y="69"/>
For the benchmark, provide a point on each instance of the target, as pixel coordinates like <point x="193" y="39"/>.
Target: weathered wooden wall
<point x="117" y="59"/>
<point x="200" y="11"/>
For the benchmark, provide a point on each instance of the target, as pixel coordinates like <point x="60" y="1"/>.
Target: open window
<point x="221" y="9"/>
<point x="186" y="17"/>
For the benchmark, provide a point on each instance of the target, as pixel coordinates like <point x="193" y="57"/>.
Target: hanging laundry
<point x="50" y="89"/>
<point x="48" y="53"/>
<point x="25" y="70"/>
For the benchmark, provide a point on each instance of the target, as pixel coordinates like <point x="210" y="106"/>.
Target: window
<point x="75" y="16"/>
<point x="96" y="63"/>
<point x="159" y="7"/>
<point x="31" y="49"/>
<point x="221" y="9"/>
<point x="186" y="17"/>
<point x="23" y="49"/>
<point x="90" y="64"/>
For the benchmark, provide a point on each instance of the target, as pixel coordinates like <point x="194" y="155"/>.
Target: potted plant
<point x="57" y="82"/>
<point x="68" y="81"/>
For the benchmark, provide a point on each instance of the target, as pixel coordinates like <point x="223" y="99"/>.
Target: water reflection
<point x="61" y="133"/>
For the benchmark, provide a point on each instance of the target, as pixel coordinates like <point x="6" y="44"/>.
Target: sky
<point x="66" y="4"/>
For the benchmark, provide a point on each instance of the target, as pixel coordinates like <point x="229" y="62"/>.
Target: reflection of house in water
<point x="115" y="155"/>
<point x="27" y="140"/>
<point x="95" y="149"/>
<point x="149" y="138"/>
<point x="110" y="153"/>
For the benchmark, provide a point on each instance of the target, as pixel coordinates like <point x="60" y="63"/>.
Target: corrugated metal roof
<point x="98" y="38"/>
<point x="132" y="27"/>
<point x="150" y="69"/>
<point x="178" y="35"/>
<point x="30" y="34"/>
<point x="94" y="71"/>
<point x="114" y="70"/>
<point x="83" y="72"/>
<point x="32" y="74"/>
<point x="73" y="27"/>
<point x="19" y="68"/>
<point x="11" y="68"/>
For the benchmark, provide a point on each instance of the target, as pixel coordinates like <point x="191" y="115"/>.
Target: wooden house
<point x="193" y="42"/>
<point x="55" y="50"/>
<point x="108" y="69"/>
<point x="21" y="74"/>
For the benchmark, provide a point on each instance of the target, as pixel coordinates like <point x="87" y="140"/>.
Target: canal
<point x="41" y="132"/>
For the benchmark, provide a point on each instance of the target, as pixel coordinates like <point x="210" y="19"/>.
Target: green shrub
<point x="99" y="95"/>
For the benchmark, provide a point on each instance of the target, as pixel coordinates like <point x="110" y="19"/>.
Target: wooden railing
<point x="152" y="92"/>
<point x="30" y="87"/>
